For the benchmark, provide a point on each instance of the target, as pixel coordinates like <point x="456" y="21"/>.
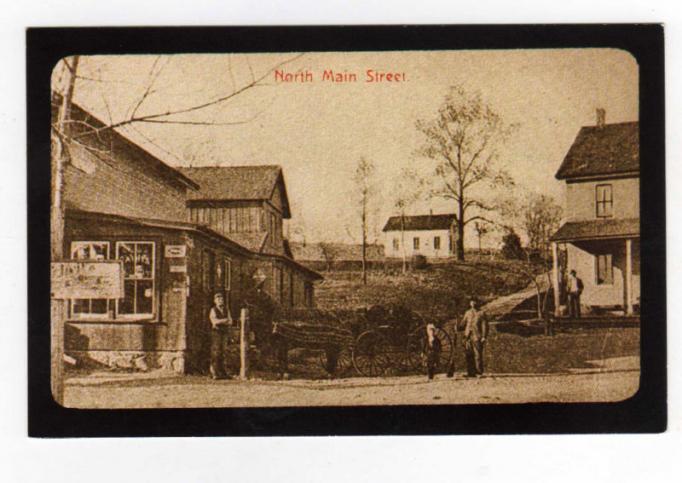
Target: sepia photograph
<point x="253" y="230"/>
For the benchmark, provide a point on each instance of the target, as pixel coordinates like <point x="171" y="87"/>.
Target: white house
<point x="600" y="238"/>
<point x="428" y="235"/>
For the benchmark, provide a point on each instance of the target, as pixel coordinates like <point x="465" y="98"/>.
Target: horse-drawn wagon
<point x="381" y="340"/>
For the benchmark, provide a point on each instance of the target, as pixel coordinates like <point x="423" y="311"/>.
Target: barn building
<point x="124" y="203"/>
<point x="600" y="238"/>
<point x="432" y="236"/>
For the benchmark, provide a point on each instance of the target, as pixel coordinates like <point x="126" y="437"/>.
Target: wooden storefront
<point x="171" y="272"/>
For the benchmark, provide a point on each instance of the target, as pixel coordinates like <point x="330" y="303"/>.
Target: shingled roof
<point x="238" y="183"/>
<point x="592" y="229"/>
<point x="420" y="222"/>
<point x="611" y="149"/>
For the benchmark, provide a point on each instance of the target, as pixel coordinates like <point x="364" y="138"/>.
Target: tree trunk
<point x="402" y="241"/>
<point x="58" y="307"/>
<point x="364" y="242"/>
<point x="460" y="230"/>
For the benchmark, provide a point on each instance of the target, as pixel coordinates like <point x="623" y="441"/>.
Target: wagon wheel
<point x="370" y="354"/>
<point x="416" y="349"/>
<point x="344" y="362"/>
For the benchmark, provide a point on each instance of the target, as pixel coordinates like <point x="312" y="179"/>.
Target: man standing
<point x="575" y="288"/>
<point x="475" y="333"/>
<point x="220" y="319"/>
<point x="433" y="350"/>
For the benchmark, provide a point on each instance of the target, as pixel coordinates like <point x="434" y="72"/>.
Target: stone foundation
<point x="173" y="361"/>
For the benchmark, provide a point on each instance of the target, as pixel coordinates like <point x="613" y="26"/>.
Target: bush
<point x="511" y="247"/>
<point x="419" y="262"/>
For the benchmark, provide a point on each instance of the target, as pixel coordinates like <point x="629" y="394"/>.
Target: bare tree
<point x="464" y="139"/>
<point x="366" y="192"/>
<point x="407" y="190"/>
<point x="541" y="218"/>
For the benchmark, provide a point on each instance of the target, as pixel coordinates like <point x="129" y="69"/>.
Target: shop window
<point x="604" y="268"/>
<point x="396" y="244"/>
<point x="89" y="308"/>
<point x="415" y="243"/>
<point x="604" y="195"/>
<point x="436" y="243"/>
<point x="138" y="279"/>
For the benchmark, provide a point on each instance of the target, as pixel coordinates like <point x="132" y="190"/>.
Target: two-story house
<point x="601" y="232"/>
<point x="430" y="235"/>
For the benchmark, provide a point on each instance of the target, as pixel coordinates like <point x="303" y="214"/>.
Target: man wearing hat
<point x="475" y="333"/>
<point x="574" y="289"/>
<point x="220" y="319"/>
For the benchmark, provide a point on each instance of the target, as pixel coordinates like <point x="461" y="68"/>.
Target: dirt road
<point x="606" y="384"/>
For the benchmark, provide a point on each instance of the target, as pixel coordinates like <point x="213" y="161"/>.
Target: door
<point x="203" y="325"/>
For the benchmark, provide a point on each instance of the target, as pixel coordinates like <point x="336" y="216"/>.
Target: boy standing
<point x="220" y="319"/>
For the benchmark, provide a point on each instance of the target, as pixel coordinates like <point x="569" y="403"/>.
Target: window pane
<point x="143" y="260"/>
<point x="144" y="296"/>
<point x="126" y="306"/>
<point x="436" y="243"/>
<point x="98" y="306"/>
<point x="80" y="306"/>
<point x="126" y="252"/>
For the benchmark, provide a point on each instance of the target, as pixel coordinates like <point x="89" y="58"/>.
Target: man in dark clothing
<point x="433" y="350"/>
<point x="220" y="319"/>
<point x="263" y="313"/>
<point x="574" y="290"/>
<point x="475" y="333"/>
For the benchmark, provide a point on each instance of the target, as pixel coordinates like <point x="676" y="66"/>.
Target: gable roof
<point x="89" y="135"/>
<point x="238" y="183"/>
<point x="612" y="149"/>
<point x="420" y="222"/>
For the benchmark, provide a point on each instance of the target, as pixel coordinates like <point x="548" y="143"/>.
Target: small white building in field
<point x="430" y="235"/>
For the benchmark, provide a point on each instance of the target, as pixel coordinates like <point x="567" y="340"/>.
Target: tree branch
<point x="149" y="117"/>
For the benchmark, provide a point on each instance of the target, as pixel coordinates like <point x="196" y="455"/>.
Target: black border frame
<point x="646" y="411"/>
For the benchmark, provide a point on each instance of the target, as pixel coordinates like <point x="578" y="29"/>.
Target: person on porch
<point x="575" y="289"/>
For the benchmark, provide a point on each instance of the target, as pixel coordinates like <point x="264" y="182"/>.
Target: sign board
<point x="175" y="251"/>
<point x="87" y="280"/>
<point x="178" y="268"/>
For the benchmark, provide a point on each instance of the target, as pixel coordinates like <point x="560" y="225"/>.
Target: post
<point x="244" y="345"/>
<point x="628" y="277"/>
<point x="57" y="317"/>
<point x="555" y="279"/>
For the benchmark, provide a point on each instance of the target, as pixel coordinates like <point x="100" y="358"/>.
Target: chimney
<point x="601" y="117"/>
<point x="430" y="211"/>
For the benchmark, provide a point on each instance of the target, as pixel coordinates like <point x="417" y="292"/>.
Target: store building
<point x="124" y="203"/>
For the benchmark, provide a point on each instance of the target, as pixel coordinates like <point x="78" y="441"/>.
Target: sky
<point x="318" y="130"/>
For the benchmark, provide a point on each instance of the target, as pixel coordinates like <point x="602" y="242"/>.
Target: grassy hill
<point x="439" y="291"/>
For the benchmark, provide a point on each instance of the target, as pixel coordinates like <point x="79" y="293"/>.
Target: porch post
<point x="628" y="276"/>
<point x="555" y="279"/>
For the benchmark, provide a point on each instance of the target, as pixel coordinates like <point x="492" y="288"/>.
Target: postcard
<point x="348" y="229"/>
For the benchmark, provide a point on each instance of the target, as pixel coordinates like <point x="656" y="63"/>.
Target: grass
<point x="441" y="291"/>
<point x="508" y="353"/>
